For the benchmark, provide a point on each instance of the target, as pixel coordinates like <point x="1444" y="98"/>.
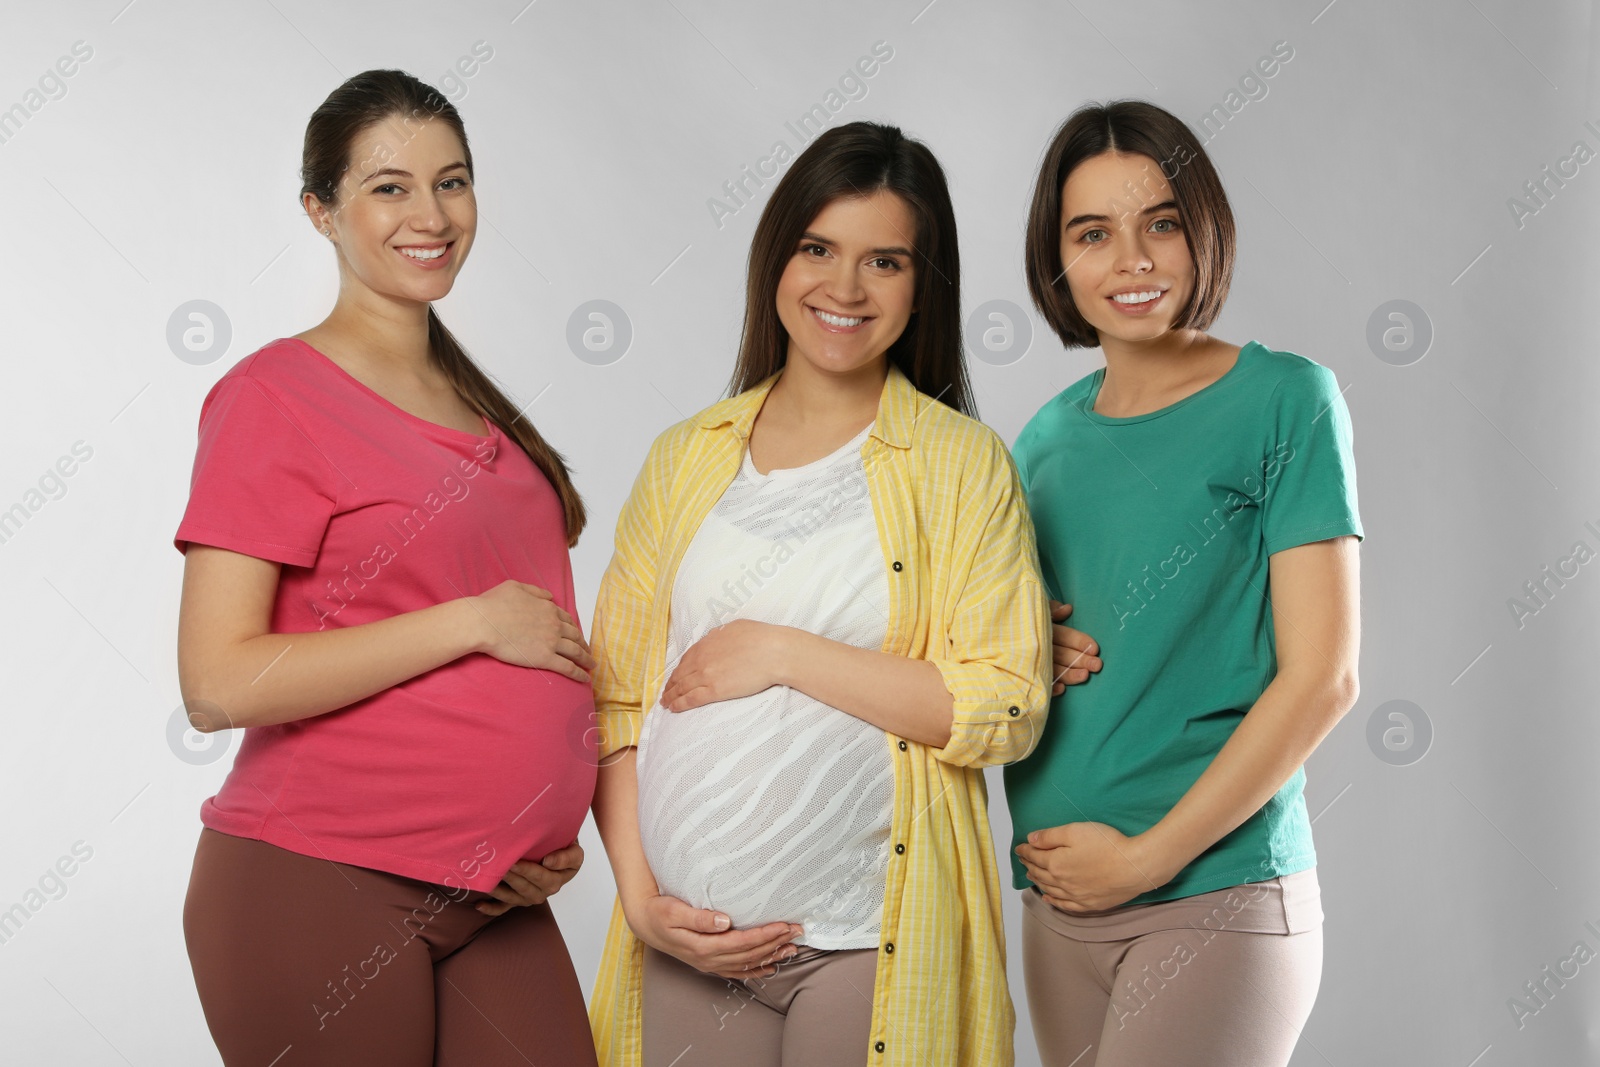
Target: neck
<point x="1136" y="366"/>
<point x="381" y="329"/>
<point x="811" y="397"/>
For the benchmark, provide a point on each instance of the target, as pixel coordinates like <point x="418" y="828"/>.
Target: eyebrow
<point x="1165" y="205"/>
<point x="892" y="250"/>
<point x="406" y="173"/>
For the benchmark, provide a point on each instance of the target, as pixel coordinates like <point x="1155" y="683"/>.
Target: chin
<point x="846" y="365"/>
<point x="1135" y="332"/>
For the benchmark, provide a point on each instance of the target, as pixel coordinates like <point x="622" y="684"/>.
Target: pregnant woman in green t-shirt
<point x="1195" y="506"/>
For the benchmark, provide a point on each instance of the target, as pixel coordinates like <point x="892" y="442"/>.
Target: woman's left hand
<point x="735" y="659"/>
<point x="1089" y="866"/>
<point x="528" y="883"/>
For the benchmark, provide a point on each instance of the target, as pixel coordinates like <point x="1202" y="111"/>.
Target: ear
<point x="321" y="218"/>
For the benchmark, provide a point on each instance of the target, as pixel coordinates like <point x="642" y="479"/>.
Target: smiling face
<point x="847" y="292"/>
<point x="406" y="212"/>
<point x="1128" y="265"/>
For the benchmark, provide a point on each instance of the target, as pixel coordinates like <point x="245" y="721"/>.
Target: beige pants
<point x="815" y="1012"/>
<point x="1221" y="979"/>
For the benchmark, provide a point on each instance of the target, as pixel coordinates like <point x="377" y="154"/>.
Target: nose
<point x="843" y="283"/>
<point x="429" y="215"/>
<point x="1132" y="256"/>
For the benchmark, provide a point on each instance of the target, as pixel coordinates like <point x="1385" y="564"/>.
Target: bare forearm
<point x="1276" y="737"/>
<point x="616" y="815"/>
<point x="278" y="678"/>
<point x="904" y="696"/>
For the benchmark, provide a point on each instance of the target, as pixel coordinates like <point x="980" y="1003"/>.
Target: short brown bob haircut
<point x="1133" y="127"/>
<point x="857" y="160"/>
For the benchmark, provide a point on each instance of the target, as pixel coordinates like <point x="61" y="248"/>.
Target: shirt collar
<point x="898" y="409"/>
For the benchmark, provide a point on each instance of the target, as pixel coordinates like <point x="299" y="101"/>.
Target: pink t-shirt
<point x="458" y="773"/>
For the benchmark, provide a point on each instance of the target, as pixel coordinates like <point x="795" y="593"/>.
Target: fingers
<point x="564" y="859"/>
<point x="755" y="959"/>
<point x="1066" y="676"/>
<point x="766" y="967"/>
<point x="688" y="699"/>
<point x="1067" y="639"/>
<point x="535" y="881"/>
<point x="574" y="651"/>
<point x="1038" y="874"/>
<point x="685" y="916"/>
<point x="1047" y="882"/>
<point x="723" y="955"/>
<point x="1073" y="655"/>
<point x="703" y="939"/>
<point x="746" y="946"/>
<point x="514" y="897"/>
<point x="542" y="594"/>
<point x="1049" y="837"/>
<point x="564" y="666"/>
<point x="673" y="684"/>
<point x="1074" y="648"/>
<point x="1064" y="903"/>
<point x="1059" y="611"/>
<point x="492" y="907"/>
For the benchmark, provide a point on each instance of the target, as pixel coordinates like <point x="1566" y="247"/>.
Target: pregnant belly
<point x="769" y="808"/>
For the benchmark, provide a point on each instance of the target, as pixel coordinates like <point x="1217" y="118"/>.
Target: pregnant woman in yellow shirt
<point x="823" y="615"/>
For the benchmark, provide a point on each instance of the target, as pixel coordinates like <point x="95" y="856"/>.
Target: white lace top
<point x="775" y="807"/>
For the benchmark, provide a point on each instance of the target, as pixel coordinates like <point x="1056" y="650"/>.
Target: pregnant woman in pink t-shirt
<point x="377" y="591"/>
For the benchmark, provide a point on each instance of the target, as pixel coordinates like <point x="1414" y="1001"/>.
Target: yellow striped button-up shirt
<point x="964" y="593"/>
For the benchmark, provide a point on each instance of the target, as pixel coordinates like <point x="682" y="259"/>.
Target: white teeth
<point x="837" y="320"/>
<point x="1137" y="298"/>
<point x="425" y="253"/>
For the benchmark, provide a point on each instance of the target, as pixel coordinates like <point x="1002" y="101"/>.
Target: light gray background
<point x="1377" y="167"/>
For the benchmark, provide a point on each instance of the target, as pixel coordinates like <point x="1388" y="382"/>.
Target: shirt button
<point x="902" y="746"/>
<point x="1012" y="710"/>
<point x="878" y="1047"/>
<point x="899" y="850"/>
<point x="896" y="564"/>
<point x="889" y="948"/>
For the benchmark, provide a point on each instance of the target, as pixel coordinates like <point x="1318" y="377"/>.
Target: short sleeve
<point x="1310" y="465"/>
<point x="260" y="485"/>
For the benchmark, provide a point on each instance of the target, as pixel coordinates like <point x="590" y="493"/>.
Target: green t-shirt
<point x="1157" y="529"/>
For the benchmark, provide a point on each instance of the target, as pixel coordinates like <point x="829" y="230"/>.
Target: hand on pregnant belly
<point x="737" y="659"/>
<point x="527" y="883"/>
<point x="702" y="938"/>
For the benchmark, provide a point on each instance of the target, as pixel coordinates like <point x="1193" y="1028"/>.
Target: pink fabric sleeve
<point x="260" y="484"/>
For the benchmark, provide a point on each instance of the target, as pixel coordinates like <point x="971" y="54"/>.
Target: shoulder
<point x="672" y="444"/>
<point x="283" y="362"/>
<point x="681" y="444"/>
<point x="944" y="437"/>
<point x="1055" y="416"/>
<point x="284" y="370"/>
<point x="1288" y="376"/>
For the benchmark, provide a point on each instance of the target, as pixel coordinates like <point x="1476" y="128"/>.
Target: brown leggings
<point x="302" y="962"/>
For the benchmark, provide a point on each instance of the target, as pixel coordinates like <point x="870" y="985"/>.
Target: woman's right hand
<point x="704" y="940"/>
<point x="1074" y="653"/>
<point x="522" y="624"/>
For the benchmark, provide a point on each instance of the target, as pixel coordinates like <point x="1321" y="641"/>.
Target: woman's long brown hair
<point x="372" y="97"/>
